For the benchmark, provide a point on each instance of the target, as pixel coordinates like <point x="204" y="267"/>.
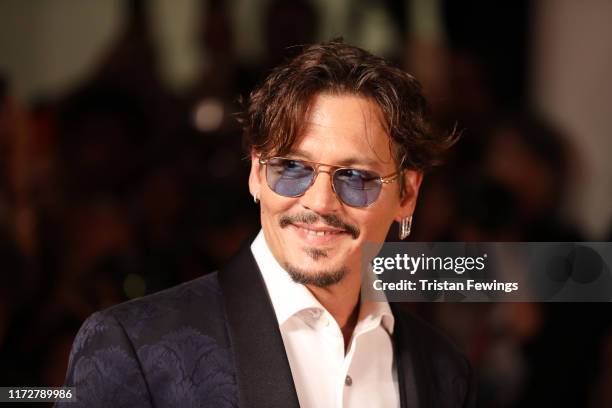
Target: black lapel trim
<point x="414" y="372"/>
<point x="262" y="368"/>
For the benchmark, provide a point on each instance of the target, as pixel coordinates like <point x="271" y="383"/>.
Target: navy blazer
<point x="215" y="342"/>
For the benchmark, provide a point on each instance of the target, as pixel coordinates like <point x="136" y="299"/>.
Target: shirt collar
<point x="290" y="298"/>
<point x="376" y="312"/>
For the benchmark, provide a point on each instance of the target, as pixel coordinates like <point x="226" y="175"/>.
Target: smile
<point x="317" y="235"/>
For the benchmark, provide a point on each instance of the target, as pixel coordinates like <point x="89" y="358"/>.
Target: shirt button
<point x="348" y="381"/>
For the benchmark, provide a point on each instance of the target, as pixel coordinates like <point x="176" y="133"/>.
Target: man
<point x="339" y="141"/>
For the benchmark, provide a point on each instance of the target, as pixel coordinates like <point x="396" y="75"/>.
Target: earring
<point x="405" y="227"/>
<point x="255" y="199"/>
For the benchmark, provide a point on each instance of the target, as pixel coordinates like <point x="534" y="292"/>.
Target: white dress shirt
<point x="324" y="376"/>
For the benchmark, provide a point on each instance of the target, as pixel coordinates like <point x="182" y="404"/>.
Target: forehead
<point x="343" y="130"/>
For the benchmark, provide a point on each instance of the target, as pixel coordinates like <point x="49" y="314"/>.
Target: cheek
<point x="274" y="205"/>
<point x="378" y="223"/>
<point x="373" y="228"/>
<point x="377" y="231"/>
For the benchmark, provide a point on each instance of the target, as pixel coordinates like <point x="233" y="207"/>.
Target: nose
<point x="320" y="197"/>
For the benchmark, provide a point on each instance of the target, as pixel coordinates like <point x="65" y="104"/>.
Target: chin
<point x="318" y="275"/>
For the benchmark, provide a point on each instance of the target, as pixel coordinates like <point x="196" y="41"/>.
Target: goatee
<point x="318" y="279"/>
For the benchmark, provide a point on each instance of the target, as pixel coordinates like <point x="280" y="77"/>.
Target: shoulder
<point x="203" y="290"/>
<point x="437" y="346"/>
<point x="445" y="368"/>
<point x="133" y="352"/>
<point x="196" y="304"/>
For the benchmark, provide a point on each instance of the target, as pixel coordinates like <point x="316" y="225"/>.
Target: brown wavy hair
<point x="275" y="112"/>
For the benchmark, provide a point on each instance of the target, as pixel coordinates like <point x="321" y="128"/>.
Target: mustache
<point x="329" y="219"/>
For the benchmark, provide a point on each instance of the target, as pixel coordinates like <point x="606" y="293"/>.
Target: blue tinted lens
<point x="289" y="178"/>
<point x="357" y="188"/>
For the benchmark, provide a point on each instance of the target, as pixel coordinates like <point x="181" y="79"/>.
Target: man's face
<point x="341" y="130"/>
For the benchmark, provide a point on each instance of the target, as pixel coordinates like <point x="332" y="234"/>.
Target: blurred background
<point x="122" y="172"/>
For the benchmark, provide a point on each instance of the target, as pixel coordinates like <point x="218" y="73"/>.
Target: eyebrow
<point x="349" y="161"/>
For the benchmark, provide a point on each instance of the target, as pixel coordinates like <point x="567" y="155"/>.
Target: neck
<point x="342" y="302"/>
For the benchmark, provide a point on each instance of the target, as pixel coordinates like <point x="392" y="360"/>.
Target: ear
<point x="412" y="183"/>
<point x="255" y="176"/>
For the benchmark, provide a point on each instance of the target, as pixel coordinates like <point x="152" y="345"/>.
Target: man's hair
<point x="274" y="114"/>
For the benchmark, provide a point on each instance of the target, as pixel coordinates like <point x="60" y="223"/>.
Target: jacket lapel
<point x="414" y="374"/>
<point x="262" y="368"/>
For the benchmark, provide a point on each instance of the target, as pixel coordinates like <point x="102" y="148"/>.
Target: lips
<point x="328" y="223"/>
<point x="319" y="230"/>
<point x="317" y="235"/>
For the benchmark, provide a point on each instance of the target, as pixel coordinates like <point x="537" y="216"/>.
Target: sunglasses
<point x="354" y="187"/>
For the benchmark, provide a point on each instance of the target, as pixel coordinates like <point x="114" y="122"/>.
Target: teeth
<point x="316" y="233"/>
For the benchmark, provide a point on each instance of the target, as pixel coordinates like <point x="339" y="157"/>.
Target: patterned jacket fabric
<point x="169" y="349"/>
